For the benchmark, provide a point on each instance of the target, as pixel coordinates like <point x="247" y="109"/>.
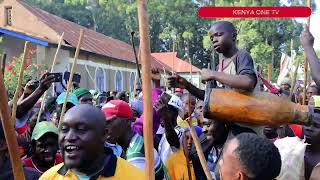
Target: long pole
<point x="269" y="72"/>
<point x="146" y="88"/>
<point x="195" y="137"/>
<point x="173" y="57"/>
<point x="18" y="89"/>
<point x="190" y="120"/>
<point x="135" y="55"/>
<point x="306" y="63"/>
<point x="51" y="71"/>
<point x="76" y="55"/>
<point x="4" y="57"/>
<point x="9" y="133"/>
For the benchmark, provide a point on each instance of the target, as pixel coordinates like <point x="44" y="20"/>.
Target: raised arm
<point x="179" y="82"/>
<point x="169" y="116"/>
<point x="307" y="41"/>
<point x="27" y="101"/>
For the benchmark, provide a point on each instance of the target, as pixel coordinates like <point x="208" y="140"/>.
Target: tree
<point x="177" y="22"/>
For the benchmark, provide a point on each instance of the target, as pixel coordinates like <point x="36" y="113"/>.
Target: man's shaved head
<point x="82" y="136"/>
<point x="225" y="26"/>
<point x="88" y="113"/>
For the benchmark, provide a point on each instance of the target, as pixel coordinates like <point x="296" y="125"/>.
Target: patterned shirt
<point x="165" y="150"/>
<point x="136" y="156"/>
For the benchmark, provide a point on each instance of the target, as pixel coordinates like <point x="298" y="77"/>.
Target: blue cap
<point x="197" y="129"/>
<point x="72" y="98"/>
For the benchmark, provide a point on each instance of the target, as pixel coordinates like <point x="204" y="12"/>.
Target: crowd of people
<point x="101" y="133"/>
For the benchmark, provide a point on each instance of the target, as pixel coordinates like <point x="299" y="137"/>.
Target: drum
<point x="258" y="108"/>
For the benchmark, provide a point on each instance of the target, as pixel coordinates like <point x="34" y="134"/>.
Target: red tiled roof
<point x="171" y="60"/>
<point x="159" y="64"/>
<point x="93" y="41"/>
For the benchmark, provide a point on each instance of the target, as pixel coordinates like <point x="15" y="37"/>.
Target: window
<point x="118" y="81"/>
<point x="8" y="16"/>
<point x="100" y="79"/>
<point x="132" y="81"/>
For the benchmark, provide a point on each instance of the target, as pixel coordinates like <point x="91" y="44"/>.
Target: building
<point x="104" y="63"/>
<point x="180" y="67"/>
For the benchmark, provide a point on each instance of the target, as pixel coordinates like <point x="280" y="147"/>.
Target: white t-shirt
<point x="165" y="150"/>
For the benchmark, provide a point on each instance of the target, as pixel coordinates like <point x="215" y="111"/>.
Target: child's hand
<point x="306" y="38"/>
<point x="177" y="82"/>
<point x="206" y="75"/>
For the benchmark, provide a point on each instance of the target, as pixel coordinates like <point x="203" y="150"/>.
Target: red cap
<point x="297" y="130"/>
<point x="22" y="129"/>
<point x="117" y="108"/>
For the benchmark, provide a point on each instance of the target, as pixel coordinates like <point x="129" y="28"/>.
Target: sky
<point x="314" y="25"/>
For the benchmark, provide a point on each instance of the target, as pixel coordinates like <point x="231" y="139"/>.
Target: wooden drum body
<point x="258" y="108"/>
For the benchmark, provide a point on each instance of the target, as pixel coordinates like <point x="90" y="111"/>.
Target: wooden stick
<point x="195" y="137"/>
<point x="51" y="71"/>
<point x="4" y="57"/>
<point x="76" y="55"/>
<point x="135" y="55"/>
<point x="18" y="89"/>
<point x="306" y="64"/>
<point x="173" y="57"/>
<point x="146" y="88"/>
<point x="190" y="121"/>
<point x="187" y="157"/>
<point x="9" y="133"/>
<point x="269" y="72"/>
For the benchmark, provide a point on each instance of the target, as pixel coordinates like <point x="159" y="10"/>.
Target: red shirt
<point x="29" y="163"/>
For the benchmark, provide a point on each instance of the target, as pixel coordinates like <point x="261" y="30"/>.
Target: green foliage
<point x="265" y="39"/>
<point x="12" y="69"/>
<point x="318" y="53"/>
<point x="262" y="51"/>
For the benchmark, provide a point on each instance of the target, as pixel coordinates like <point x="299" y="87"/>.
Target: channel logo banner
<point x="254" y="12"/>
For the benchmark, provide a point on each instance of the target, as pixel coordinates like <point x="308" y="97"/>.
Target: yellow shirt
<point x="177" y="166"/>
<point x="124" y="170"/>
<point x="184" y="124"/>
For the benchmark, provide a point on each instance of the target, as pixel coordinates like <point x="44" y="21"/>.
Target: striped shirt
<point x="135" y="155"/>
<point x="164" y="149"/>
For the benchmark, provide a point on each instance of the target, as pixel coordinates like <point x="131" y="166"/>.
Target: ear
<point x="234" y="36"/>
<point x="241" y="175"/>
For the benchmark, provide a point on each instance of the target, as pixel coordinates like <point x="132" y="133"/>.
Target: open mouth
<point x="71" y="150"/>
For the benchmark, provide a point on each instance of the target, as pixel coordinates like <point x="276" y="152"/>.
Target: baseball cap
<point x="72" y="98"/>
<point x="81" y="91"/>
<point x="137" y="105"/>
<point x="118" y="108"/>
<point x="198" y="130"/>
<point x="42" y="128"/>
<point x="176" y="102"/>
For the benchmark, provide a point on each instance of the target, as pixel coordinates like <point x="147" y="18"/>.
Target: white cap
<point x="176" y="102"/>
